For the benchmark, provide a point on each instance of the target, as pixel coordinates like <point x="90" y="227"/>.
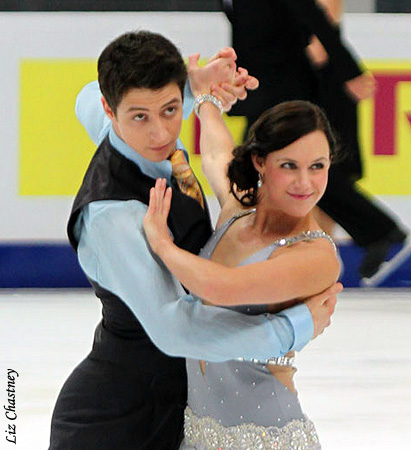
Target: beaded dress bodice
<point x="240" y="404"/>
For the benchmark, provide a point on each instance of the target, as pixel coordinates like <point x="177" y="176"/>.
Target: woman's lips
<point x="300" y="196"/>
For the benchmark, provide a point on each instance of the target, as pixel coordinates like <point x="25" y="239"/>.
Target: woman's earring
<point x="260" y="181"/>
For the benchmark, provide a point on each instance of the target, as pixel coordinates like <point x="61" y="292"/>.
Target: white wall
<point x="68" y="35"/>
<point x="83" y="35"/>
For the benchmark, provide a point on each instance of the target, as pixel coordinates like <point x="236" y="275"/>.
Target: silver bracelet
<point x="207" y="98"/>
<point x="279" y="361"/>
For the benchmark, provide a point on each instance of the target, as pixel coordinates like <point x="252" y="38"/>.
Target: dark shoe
<point x="377" y="252"/>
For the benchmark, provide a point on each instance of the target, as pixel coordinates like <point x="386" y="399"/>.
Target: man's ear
<point x="107" y="109"/>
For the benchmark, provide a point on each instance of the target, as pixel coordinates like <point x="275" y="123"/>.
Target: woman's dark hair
<point x="275" y="129"/>
<point x="139" y="60"/>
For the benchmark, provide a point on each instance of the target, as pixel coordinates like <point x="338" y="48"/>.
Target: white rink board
<point x="354" y="381"/>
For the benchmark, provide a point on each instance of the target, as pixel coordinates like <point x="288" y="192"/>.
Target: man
<point x="128" y="394"/>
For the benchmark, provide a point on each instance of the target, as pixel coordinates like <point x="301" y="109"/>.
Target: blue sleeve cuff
<point x="302" y="323"/>
<point x="188" y="104"/>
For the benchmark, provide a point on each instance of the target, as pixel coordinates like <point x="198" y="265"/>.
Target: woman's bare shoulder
<point x="319" y="251"/>
<point x="230" y="208"/>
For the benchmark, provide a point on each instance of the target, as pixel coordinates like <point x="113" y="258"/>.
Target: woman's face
<point x="295" y="177"/>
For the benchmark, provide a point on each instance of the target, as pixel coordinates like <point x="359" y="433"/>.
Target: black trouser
<point x="343" y="201"/>
<point x="107" y="405"/>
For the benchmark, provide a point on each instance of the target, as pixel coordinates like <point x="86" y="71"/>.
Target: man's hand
<point x="361" y="87"/>
<point x="155" y="220"/>
<point x="322" y="307"/>
<point x="220" y="78"/>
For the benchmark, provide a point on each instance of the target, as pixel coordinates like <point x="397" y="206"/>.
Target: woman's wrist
<point x="206" y="98"/>
<point x="197" y="92"/>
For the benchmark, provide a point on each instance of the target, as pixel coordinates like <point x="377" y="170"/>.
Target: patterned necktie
<point x="185" y="178"/>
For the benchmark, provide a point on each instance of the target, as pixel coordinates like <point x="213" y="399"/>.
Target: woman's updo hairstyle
<point x="275" y="129"/>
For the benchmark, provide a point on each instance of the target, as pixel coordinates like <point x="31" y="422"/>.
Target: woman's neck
<point x="271" y="223"/>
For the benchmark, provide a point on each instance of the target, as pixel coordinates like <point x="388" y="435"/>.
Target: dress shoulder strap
<point x="223" y="228"/>
<point x="305" y="236"/>
<point x="219" y="232"/>
<point x="264" y="253"/>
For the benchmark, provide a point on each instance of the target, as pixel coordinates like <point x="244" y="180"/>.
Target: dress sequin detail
<point x="278" y="361"/>
<point x="305" y="236"/>
<point x="205" y="433"/>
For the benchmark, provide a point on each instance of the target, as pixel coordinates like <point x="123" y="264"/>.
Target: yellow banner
<point x="385" y="130"/>
<point x="55" y="149"/>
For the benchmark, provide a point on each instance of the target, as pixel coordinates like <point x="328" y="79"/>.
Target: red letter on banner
<point x="384" y="113"/>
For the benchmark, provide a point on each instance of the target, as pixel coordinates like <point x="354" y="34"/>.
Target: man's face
<point x="149" y="121"/>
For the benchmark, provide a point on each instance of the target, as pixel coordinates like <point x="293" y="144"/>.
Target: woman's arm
<point x="216" y="141"/>
<point x="216" y="144"/>
<point x="294" y="272"/>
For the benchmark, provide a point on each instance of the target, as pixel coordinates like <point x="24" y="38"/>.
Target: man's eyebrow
<point x="137" y="108"/>
<point x="142" y="108"/>
<point x="174" y="100"/>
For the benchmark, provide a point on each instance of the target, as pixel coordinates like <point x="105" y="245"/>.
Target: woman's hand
<point x="221" y="78"/>
<point x="229" y="93"/>
<point x="219" y="69"/>
<point x="155" y="220"/>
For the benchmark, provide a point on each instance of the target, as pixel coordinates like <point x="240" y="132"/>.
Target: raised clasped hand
<point x="155" y="220"/>
<point x="221" y="78"/>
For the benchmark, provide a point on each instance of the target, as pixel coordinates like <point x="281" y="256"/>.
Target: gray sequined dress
<point x="241" y="405"/>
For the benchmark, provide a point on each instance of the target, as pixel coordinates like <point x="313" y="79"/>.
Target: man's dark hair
<point x="139" y="60"/>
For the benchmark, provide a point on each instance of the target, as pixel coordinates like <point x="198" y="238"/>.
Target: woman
<point x="271" y="39"/>
<point x="267" y="247"/>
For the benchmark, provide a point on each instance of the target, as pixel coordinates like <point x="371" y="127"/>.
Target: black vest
<point x="120" y="337"/>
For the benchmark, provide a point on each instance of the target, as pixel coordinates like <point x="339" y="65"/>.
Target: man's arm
<point x="90" y="112"/>
<point x="113" y="252"/>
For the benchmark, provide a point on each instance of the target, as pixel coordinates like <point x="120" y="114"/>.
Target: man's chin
<point x="158" y="156"/>
<point x="155" y="155"/>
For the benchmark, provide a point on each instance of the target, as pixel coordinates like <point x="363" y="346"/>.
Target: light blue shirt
<point x="113" y="252"/>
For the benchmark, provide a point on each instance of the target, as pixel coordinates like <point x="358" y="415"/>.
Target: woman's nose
<point x="303" y="179"/>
